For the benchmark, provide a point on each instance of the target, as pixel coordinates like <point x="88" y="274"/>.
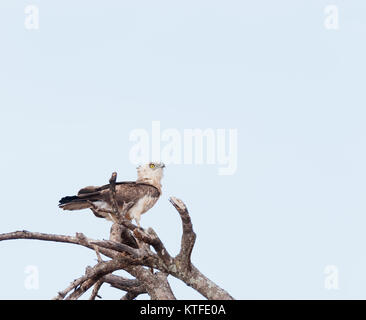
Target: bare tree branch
<point x="62" y="294"/>
<point x="151" y="238"/>
<point x="79" y="239"/>
<point x="188" y="236"/>
<point x="112" y="194"/>
<point x="133" y="287"/>
<point x="120" y="247"/>
<point x="96" y="288"/>
<point x="129" y="296"/>
<point x="129" y="247"/>
<point x="92" y="275"/>
<point x="156" y="286"/>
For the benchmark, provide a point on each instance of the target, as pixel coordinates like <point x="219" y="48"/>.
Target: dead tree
<point x="129" y="248"/>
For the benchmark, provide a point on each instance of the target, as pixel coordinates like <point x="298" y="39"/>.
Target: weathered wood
<point x="129" y="249"/>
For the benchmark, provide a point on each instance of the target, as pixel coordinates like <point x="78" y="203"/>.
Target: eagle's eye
<point x="152" y="166"/>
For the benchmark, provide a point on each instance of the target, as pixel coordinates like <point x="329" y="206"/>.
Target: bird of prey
<point x="141" y="195"/>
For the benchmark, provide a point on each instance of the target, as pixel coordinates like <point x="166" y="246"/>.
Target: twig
<point x="62" y="294"/>
<point x="96" y="288"/>
<point x="112" y="194"/>
<point x="117" y="247"/>
<point x="97" y="253"/>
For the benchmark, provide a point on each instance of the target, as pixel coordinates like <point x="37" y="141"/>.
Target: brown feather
<point x="76" y="205"/>
<point x="126" y="192"/>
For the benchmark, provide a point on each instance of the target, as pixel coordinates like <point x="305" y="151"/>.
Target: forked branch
<point x="129" y="249"/>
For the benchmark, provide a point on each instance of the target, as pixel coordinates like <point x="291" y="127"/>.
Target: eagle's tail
<point x="74" y="203"/>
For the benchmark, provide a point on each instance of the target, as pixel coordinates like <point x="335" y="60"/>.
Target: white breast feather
<point x="144" y="204"/>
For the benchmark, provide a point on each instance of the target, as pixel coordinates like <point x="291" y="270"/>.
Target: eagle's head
<point x="151" y="173"/>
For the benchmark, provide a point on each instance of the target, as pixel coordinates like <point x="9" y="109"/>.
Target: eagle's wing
<point x="129" y="191"/>
<point x="93" y="189"/>
<point x="126" y="192"/>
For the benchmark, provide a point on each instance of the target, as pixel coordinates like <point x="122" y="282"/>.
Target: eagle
<point x="141" y="195"/>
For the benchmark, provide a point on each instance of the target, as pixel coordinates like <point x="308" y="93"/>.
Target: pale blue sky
<point x="72" y="91"/>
